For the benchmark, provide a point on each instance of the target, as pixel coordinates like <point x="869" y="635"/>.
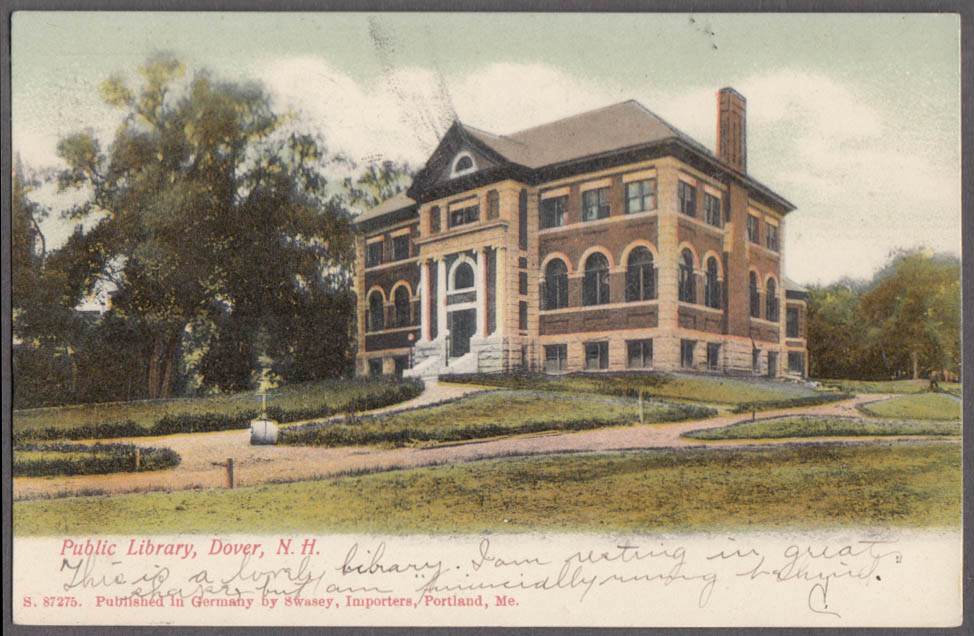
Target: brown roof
<point x="628" y="124"/>
<point x="392" y="204"/>
<point x="595" y="132"/>
<point x="622" y="126"/>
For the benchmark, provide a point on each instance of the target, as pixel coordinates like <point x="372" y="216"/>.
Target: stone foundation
<point x="513" y="354"/>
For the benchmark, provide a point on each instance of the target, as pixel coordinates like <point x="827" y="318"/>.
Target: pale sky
<point x="853" y="118"/>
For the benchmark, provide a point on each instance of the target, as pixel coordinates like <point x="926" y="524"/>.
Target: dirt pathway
<point x="204" y="454"/>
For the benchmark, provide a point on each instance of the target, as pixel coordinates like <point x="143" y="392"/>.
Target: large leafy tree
<point x="46" y="285"/>
<point x="27" y="245"/>
<point x="378" y="182"/>
<point x="206" y="206"/>
<point x="905" y="321"/>
<point x="836" y="335"/>
<point x="914" y="309"/>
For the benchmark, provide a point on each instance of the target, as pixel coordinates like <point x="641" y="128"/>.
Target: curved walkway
<point x="432" y="393"/>
<point x="204" y="455"/>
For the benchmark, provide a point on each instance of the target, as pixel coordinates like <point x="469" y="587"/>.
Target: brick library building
<point x="607" y="241"/>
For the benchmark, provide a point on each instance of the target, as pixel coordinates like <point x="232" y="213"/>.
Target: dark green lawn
<point x="919" y="406"/>
<point x="806" y="426"/>
<point x="695" y="388"/>
<point x="295" y="402"/>
<point x="490" y="414"/>
<point x="916" y="484"/>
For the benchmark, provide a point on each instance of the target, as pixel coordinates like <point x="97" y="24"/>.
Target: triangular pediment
<point x="458" y="155"/>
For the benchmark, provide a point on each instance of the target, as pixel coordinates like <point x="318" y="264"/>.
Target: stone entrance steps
<point x="432" y="367"/>
<point x="428" y="369"/>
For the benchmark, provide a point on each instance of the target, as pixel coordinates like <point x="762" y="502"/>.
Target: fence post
<point x="230" y="472"/>
<point x="641" y="418"/>
<point x="138" y="458"/>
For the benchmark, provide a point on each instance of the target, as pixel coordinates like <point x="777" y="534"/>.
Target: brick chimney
<point x="732" y="128"/>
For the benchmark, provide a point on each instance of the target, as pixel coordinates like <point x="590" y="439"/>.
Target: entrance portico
<point x="464" y="290"/>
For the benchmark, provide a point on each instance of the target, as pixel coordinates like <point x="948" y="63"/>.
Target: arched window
<point x="462" y="164"/>
<point x="713" y="284"/>
<point x="401" y="301"/>
<point x="375" y="320"/>
<point x="771" y="301"/>
<point x="755" y="296"/>
<point x="688" y="287"/>
<point x="640" y="275"/>
<point x="556" y="285"/>
<point x="463" y="276"/>
<point x="595" y="284"/>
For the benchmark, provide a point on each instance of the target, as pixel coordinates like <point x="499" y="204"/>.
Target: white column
<point x="500" y="291"/>
<point x="441" y="298"/>
<point x="424" y="302"/>
<point x="480" y="285"/>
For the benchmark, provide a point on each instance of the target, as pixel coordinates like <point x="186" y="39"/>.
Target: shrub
<point x="809" y="400"/>
<point x="41" y="460"/>
<point x="449" y="426"/>
<point x="620" y="384"/>
<point x="208" y="421"/>
<point x="689" y="387"/>
<point x="355" y="434"/>
<point x="106" y="430"/>
<point x="804" y="426"/>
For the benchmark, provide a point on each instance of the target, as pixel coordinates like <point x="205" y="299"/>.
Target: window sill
<point x="703" y="224"/>
<point x="563" y="310"/>
<point x="638" y="212"/>
<point x="393" y="330"/>
<point x="764" y="249"/>
<point x="405" y="261"/>
<point x="618" y="218"/>
<point x="685" y="305"/>
<point x="460" y="230"/>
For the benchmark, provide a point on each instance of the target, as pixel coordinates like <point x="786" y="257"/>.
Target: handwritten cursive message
<point x="485" y="580"/>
